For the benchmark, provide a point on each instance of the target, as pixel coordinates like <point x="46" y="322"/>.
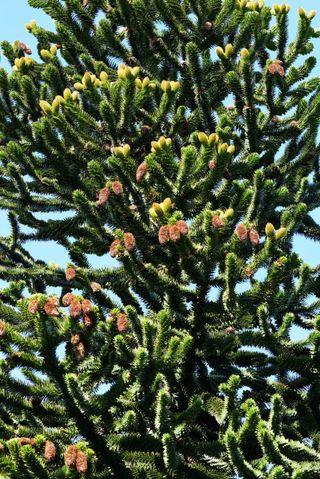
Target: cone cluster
<point x="126" y="243"/>
<point x="173" y="232"/>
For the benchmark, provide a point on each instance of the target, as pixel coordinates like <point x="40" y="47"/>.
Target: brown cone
<point x="87" y="320"/>
<point x="79" y="351"/>
<point x="70" y="456"/>
<point x="70" y="274"/>
<point x="254" y="236"/>
<point x="276" y="67"/>
<point x="49" y="451"/>
<point x="23" y="441"/>
<point x="103" y="196"/>
<point x="241" y="232"/>
<point x="113" y="248"/>
<point x="141" y="171"/>
<point x="75" y="308"/>
<point x="183" y="227"/>
<point x="75" y="339"/>
<point x="217" y="222"/>
<point x="129" y="241"/>
<point x="33" y="306"/>
<point x="230" y="330"/>
<point x="67" y="299"/>
<point x="86" y="306"/>
<point x="24" y="48"/>
<point x="117" y="187"/>
<point x="122" y="322"/>
<point x="96" y="287"/>
<point x="81" y="462"/>
<point x="163" y="234"/>
<point x="174" y="232"/>
<point x="50" y="307"/>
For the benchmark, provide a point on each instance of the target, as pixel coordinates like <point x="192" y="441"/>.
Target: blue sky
<point x="16" y="13"/>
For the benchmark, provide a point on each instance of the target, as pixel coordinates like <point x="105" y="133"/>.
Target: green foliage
<point x="179" y="137"/>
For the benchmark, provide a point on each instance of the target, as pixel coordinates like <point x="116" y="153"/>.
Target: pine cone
<point x="49" y="451"/>
<point x="217" y="222"/>
<point x="241" y="232"/>
<point x="2" y="329"/>
<point x="276" y="68"/>
<point x="33" y="306"/>
<point x="23" y="441"/>
<point x="174" y="232"/>
<point x="75" y="339"/>
<point x="141" y="171"/>
<point x="183" y="227"/>
<point x="81" y="462"/>
<point x="129" y="241"/>
<point x="24" y="48"/>
<point x="75" y="308"/>
<point x="103" y="196"/>
<point x="50" y="307"/>
<point x="70" y="274"/>
<point x="113" y="248"/>
<point x="254" y="236"/>
<point x="96" y="287"/>
<point x="122" y="322"/>
<point x="67" y="299"/>
<point x="117" y="187"/>
<point x="212" y="164"/>
<point x="87" y="320"/>
<point x="79" y="351"/>
<point x="230" y="330"/>
<point x="86" y="306"/>
<point x="70" y="456"/>
<point x="163" y="234"/>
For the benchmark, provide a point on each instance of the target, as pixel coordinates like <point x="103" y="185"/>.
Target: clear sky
<point x="15" y="14"/>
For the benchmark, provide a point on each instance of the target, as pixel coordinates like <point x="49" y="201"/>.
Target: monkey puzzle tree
<point x="178" y="137"/>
